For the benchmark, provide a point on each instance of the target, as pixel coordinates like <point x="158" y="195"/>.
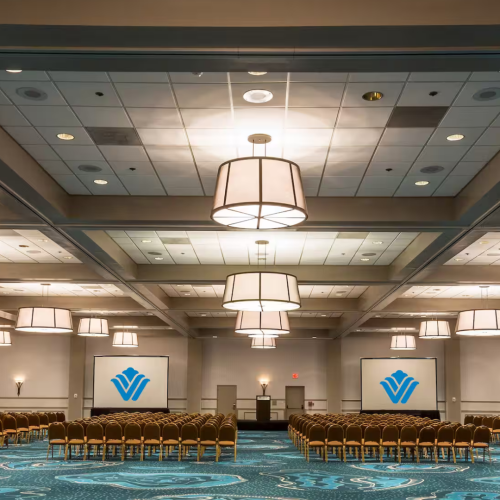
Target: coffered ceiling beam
<point x="439" y="305"/>
<point x="295" y="323"/>
<point x="295" y="334"/>
<point x="460" y="275"/>
<point x="73" y="303"/>
<point x="76" y="273"/>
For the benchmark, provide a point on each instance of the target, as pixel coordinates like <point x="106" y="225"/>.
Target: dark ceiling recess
<point x="417" y="116"/>
<point x="114" y="136"/>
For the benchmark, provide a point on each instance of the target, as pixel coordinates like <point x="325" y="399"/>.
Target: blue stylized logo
<point x="399" y="387"/>
<point x="130" y="384"/>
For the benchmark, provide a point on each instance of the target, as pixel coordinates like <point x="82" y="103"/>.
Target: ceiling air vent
<point x="114" y="136"/>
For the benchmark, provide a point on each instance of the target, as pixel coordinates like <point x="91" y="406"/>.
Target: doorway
<point x="226" y="399"/>
<point x="294" y="398"/>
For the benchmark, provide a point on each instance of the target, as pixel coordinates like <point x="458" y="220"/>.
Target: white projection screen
<point x="131" y="381"/>
<point x="398" y="384"/>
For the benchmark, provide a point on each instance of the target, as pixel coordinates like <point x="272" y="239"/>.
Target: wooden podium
<point x="263" y="404"/>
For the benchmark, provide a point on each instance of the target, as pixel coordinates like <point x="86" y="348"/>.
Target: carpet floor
<point x="268" y="467"/>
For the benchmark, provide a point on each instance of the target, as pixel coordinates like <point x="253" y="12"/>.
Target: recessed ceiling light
<point x="214" y="337"/>
<point x="258" y="96"/>
<point x="377" y="242"/>
<point x="158" y="258"/>
<point x="23" y="246"/>
<point x="146" y="241"/>
<point x="373" y="96"/>
<point x="483" y="242"/>
<point x="257" y="73"/>
<point x="43" y="241"/>
<point x="14" y="70"/>
<point x="65" y="137"/>
<point x="101" y="182"/>
<point x="187" y="294"/>
<point x="455" y="137"/>
<point x="203" y="315"/>
<point x="314" y="337"/>
<point x="421" y="183"/>
<point x="365" y="260"/>
<point x="68" y="257"/>
<point x="323" y="315"/>
<point x="459" y="260"/>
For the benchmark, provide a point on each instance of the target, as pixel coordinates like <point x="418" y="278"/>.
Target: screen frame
<point x="394" y="357"/>
<point x="128" y="356"/>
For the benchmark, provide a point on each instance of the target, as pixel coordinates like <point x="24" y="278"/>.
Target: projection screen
<point x="398" y="384"/>
<point x="131" y="381"/>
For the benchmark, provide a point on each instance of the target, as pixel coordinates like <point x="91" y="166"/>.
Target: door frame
<point x="235" y="410"/>
<point x="304" y="400"/>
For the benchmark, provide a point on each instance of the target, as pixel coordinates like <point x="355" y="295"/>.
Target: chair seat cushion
<point x="389" y="443"/>
<point x="76" y="441"/>
<point x="426" y="443"/>
<point x="95" y="441"/>
<point x="316" y="443"/>
<point x="371" y="443"/>
<point x="480" y="445"/>
<point x="226" y="443"/>
<point x="352" y="443"/>
<point x="151" y="441"/>
<point x="189" y="441"/>
<point x="114" y="441"/>
<point x="10" y="431"/>
<point x="334" y="443"/>
<point x="57" y="441"/>
<point x="34" y="428"/>
<point x="408" y="444"/>
<point x="208" y="443"/>
<point x="462" y="444"/>
<point x="23" y="429"/>
<point x="171" y="442"/>
<point x="43" y="426"/>
<point x="132" y="441"/>
<point x="442" y="444"/>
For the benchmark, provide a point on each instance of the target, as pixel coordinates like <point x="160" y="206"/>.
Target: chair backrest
<point x="354" y="433"/>
<point x="445" y="434"/>
<point x="132" y="431"/>
<point x="488" y="421"/>
<point x="75" y="431"/>
<point x="56" y="431"/>
<point x="189" y="432"/>
<point x="44" y="419"/>
<point x="478" y="420"/>
<point x="496" y="423"/>
<point x="52" y="417"/>
<point x="227" y="433"/>
<point x="33" y="420"/>
<point x="113" y="431"/>
<point x="9" y="422"/>
<point x="463" y="434"/>
<point x="151" y="431"/>
<point x="427" y="435"/>
<point x="208" y="432"/>
<point x="317" y="433"/>
<point x="22" y="421"/>
<point x="469" y="419"/>
<point x="335" y="433"/>
<point x="390" y="433"/>
<point x="409" y="434"/>
<point x="482" y="435"/>
<point x="61" y="417"/>
<point x="372" y="434"/>
<point x="95" y="431"/>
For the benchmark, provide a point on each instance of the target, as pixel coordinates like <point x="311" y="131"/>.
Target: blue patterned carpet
<point x="268" y="467"/>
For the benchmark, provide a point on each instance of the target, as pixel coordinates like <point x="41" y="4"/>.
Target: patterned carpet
<point x="268" y="467"/>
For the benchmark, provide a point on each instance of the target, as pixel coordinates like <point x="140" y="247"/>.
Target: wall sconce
<point x="264" y="384"/>
<point x="19" y="384"/>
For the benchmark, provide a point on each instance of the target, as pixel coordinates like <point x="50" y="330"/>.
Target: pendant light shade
<point x="479" y="323"/>
<point x="269" y="322"/>
<point x="44" y="320"/>
<point x="403" y="343"/>
<point x="125" y="339"/>
<point x="434" y="330"/>
<point x="5" y="339"/>
<point x="261" y="291"/>
<point x="93" y="327"/>
<point x="259" y="193"/>
<point x="262" y="342"/>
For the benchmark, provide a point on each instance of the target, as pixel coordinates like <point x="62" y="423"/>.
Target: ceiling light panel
<point x="484" y="251"/>
<point x="450" y="292"/>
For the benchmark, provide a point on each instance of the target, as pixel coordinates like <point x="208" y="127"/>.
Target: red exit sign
<point x="295" y="375"/>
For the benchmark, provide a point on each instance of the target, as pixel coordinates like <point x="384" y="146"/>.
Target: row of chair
<point x="490" y="421"/>
<point x="26" y="425"/>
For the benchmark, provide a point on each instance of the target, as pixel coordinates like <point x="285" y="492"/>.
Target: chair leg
<point x="180" y="452"/>
<point x="307" y="452"/>
<point x="160" y="458"/>
<point x="48" y="451"/>
<point x="65" y="452"/>
<point x="362" y="453"/>
<point x="216" y="452"/>
<point x="343" y="450"/>
<point x="453" y="452"/>
<point x="235" y="452"/>
<point x="472" y="455"/>
<point x="381" y="454"/>
<point x="103" y="452"/>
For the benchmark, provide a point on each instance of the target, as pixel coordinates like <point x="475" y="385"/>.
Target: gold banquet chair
<point x="57" y="437"/>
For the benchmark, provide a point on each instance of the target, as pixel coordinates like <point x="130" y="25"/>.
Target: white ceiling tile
<point x="89" y="94"/>
<point x="146" y="95"/>
<point x="25" y="135"/>
<point x="442" y="153"/>
<point x="350" y="169"/>
<point x="314" y="95"/>
<point x="468" y="168"/>
<point x="408" y="187"/>
<point x="3" y="99"/>
<point x="406" y="136"/>
<point x="78" y="76"/>
<point x="202" y="96"/>
<point x="207" y="118"/>
<point x="363" y="117"/>
<point x="341" y="192"/>
<point x="378" y="77"/>
<point x="209" y="185"/>
<point x="211" y="137"/>
<point x="471" y="89"/>
<point x="53" y="97"/>
<point x="139" y="77"/>
<point x="496" y="123"/>
<point x="55" y="167"/>
<point x="469" y="116"/>
<point x="169" y="154"/>
<point x="484" y="76"/>
<point x="155" y="117"/>
<point x="340" y="182"/>
<point x="256" y="118"/>
<point x="388" y="169"/>
<point x="42" y="116"/>
<point x="299" y="154"/>
<point x="10" y="116"/>
<point x="71" y="184"/>
<point x="382" y="182"/>
<point x="356" y="136"/>
<point x="445" y="167"/>
<point x="239" y="89"/>
<point x="170" y="181"/>
<point x="319" y="292"/>
<point x="213" y="153"/>
<point x="422" y="94"/>
<point x="311" y="182"/>
<point x="481" y="153"/>
<point x="452" y="185"/>
<point x="124" y="153"/>
<point x="78" y="166"/>
<point x="457" y="76"/>
<point x="175" y="169"/>
<point x="311" y="169"/>
<point x="163" y="137"/>
<point x="308" y="192"/>
<point x="491" y="137"/>
<point x="81" y="137"/>
<point x="143" y="185"/>
<point x="200" y="78"/>
<point x="184" y="191"/>
<point x="113" y="187"/>
<point x="308" y="137"/>
<point x="245" y="77"/>
<point x="318" y="77"/>
<point x="312" y="117"/>
<point x="102" y="117"/>
<point x="78" y="153"/>
<point x="132" y="168"/>
<point x="354" y="94"/>
<point x="350" y="154"/>
<point x="439" y="138"/>
<point x="374" y="192"/>
<point x="396" y="153"/>
<point x="24" y="75"/>
<point x="40" y="152"/>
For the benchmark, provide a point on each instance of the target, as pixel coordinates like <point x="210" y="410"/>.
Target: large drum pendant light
<point x="434" y="330"/>
<point x="403" y="343"/>
<point x="259" y="193"/>
<point x="263" y="342"/>
<point x="479" y="322"/>
<point x="269" y="322"/>
<point x="5" y="340"/>
<point x="93" y="327"/>
<point x="125" y="339"/>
